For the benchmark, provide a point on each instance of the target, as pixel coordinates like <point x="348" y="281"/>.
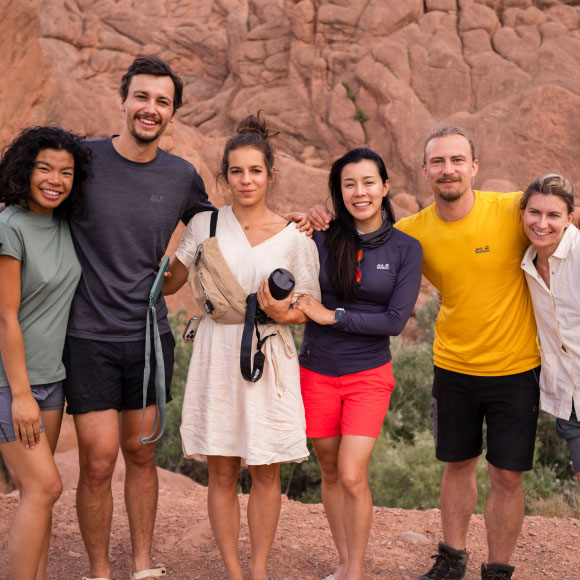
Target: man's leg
<point x="141" y="485"/>
<point x="504" y="513"/>
<point x="98" y="436"/>
<point x="458" y="498"/>
<point x="457" y="429"/>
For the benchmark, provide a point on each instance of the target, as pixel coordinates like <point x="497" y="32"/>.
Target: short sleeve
<point x="198" y="201"/>
<point x="190" y="241"/>
<point x="11" y="243"/>
<point x="307" y="268"/>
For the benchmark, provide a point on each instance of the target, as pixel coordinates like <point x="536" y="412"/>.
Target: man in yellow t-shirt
<point x="486" y="360"/>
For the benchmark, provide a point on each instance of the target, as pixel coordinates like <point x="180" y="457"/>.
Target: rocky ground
<point x="399" y="548"/>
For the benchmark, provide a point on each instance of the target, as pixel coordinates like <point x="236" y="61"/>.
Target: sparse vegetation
<point x="403" y="472"/>
<point x="349" y="93"/>
<point x="360" y="115"/>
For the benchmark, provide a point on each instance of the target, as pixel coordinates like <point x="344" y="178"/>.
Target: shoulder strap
<point x="213" y="223"/>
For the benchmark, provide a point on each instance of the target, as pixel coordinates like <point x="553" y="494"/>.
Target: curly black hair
<point x="18" y="159"/>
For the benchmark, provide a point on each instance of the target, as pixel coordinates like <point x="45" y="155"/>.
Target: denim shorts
<point x="49" y="397"/>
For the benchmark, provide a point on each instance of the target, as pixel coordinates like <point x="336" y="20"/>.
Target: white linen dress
<point x="223" y="414"/>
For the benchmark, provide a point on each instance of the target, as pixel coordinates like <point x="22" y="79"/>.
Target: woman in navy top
<point x="370" y="274"/>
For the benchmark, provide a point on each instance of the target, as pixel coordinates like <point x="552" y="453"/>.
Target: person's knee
<point x="224" y="477"/>
<point x="329" y="471"/>
<point x="355" y="484"/>
<point x="268" y="476"/>
<point x="43" y="493"/>
<point x="461" y="469"/>
<point x="138" y="454"/>
<point x="96" y="469"/>
<point x="505" y="481"/>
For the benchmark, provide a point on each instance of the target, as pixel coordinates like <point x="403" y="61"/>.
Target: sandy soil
<point x="303" y="549"/>
<point x="400" y="545"/>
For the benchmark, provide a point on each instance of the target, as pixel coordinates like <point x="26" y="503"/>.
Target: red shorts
<point x="353" y="404"/>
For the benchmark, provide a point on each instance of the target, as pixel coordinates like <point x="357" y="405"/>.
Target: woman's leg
<point x="263" y="515"/>
<point x="327" y="450"/>
<point x="52" y="422"/>
<point x="224" y="510"/>
<point x="353" y="461"/>
<point x="40" y="486"/>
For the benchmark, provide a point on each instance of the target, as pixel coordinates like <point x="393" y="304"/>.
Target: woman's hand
<point x="278" y="310"/>
<point x="26" y="419"/>
<point x="314" y="310"/>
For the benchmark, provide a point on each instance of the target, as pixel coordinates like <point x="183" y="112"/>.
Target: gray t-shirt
<point x="132" y="211"/>
<point x="50" y="273"/>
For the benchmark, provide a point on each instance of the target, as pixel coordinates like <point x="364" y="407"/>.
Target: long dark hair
<point x="18" y="161"/>
<point x="342" y="238"/>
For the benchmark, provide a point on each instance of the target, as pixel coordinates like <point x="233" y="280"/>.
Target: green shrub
<point x="169" y="450"/>
<point x="360" y="115"/>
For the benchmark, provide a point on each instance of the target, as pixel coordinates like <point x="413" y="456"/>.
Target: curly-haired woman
<point x="41" y="176"/>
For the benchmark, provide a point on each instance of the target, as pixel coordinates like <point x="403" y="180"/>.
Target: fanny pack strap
<point x="250" y="323"/>
<point x="160" y="399"/>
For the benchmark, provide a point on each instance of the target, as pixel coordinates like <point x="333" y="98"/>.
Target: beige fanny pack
<point x="214" y="286"/>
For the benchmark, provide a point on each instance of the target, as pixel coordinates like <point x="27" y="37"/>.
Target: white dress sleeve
<point x="196" y="231"/>
<point x="307" y="268"/>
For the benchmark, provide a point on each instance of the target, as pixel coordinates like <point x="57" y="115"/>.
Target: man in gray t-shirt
<point x="135" y="199"/>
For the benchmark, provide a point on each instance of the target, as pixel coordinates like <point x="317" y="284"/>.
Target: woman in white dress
<point x="552" y="268"/>
<point x="228" y="421"/>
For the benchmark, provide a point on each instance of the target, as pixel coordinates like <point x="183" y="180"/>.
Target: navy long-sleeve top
<point x="384" y="300"/>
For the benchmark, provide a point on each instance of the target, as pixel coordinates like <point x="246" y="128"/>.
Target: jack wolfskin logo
<point x="483" y="250"/>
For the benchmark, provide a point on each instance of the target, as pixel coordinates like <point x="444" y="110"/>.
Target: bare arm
<point x="25" y="410"/>
<point x="175" y="278"/>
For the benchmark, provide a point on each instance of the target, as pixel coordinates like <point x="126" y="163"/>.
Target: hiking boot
<point x="496" y="571"/>
<point x="449" y="564"/>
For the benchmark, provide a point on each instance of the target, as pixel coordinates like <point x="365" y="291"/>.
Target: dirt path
<point x="303" y="549"/>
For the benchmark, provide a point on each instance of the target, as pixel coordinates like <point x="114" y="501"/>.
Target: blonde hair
<point x="551" y="184"/>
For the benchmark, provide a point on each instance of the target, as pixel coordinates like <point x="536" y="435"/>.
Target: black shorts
<point x="510" y="406"/>
<point x="109" y="375"/>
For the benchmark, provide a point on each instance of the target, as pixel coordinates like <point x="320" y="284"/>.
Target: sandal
<point x="151" y="573"/>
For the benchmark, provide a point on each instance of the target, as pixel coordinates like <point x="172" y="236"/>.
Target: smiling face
<point x="51" y="180"/>
<point x="545" y="218"/>
<point x="247" y="176"/>
<point x="148" y="107"/>
<point x="363" y="193"/>
<point x="449" y="167"/>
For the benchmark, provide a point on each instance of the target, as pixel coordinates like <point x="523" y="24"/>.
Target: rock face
<point x="330" y="74"/>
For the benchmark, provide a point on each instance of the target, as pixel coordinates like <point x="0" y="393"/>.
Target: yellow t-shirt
<point x="486" y="323"/>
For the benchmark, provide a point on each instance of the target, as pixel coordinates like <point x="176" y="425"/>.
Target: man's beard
<point x="149" y="138"/>
<point x="451" y="196"/>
